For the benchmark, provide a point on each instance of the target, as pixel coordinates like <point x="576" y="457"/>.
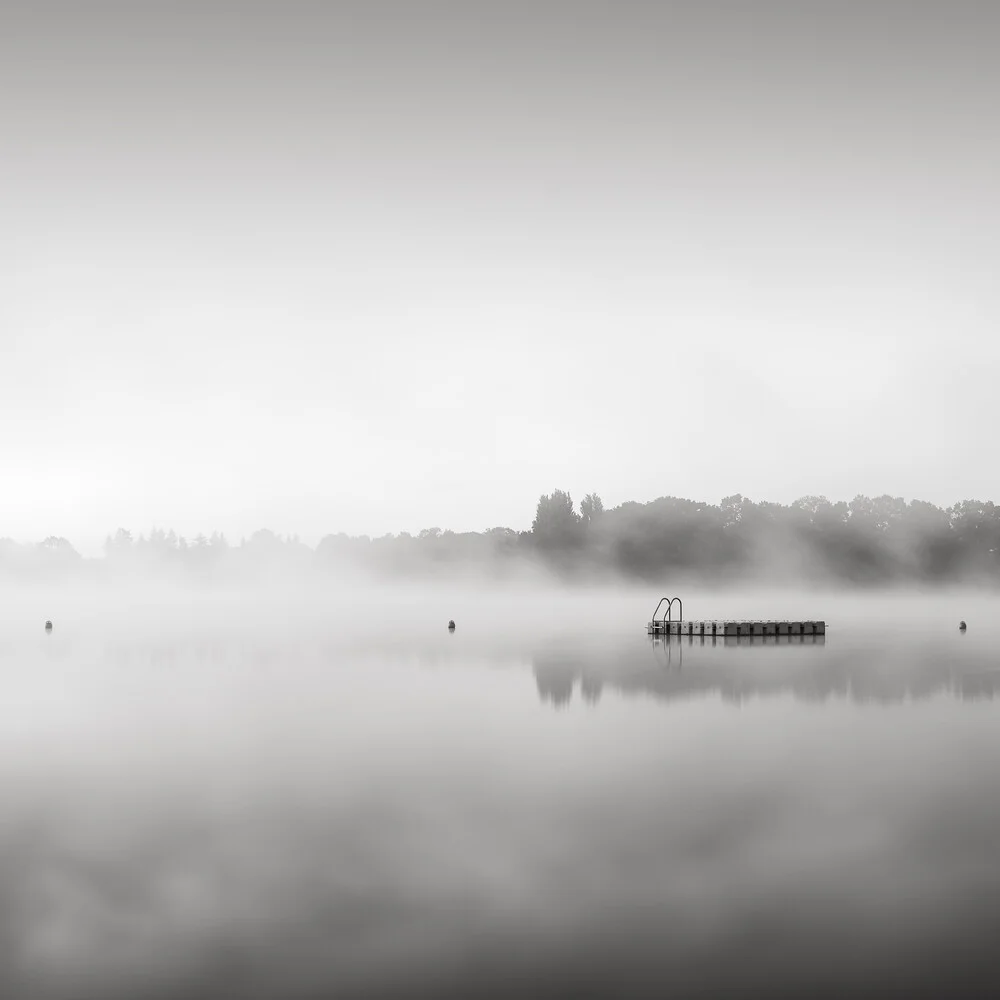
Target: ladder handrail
<point x="669" y="617"/>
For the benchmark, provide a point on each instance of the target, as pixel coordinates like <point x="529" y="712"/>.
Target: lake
<point x="331" y="795"/>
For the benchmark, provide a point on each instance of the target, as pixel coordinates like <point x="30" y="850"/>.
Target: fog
<point x="383" y="266"/>
<point x="325" y="324"/>
<point x="500" y="611"/>
<point x="302" y="791"/>
<point x="872" y="542"/>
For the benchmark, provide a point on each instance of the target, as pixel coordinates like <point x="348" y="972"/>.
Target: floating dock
<point x="667" y="625"/>
<point x="661" y="627"/>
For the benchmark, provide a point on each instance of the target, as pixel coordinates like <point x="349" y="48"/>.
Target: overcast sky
<point x="377" y="267"/>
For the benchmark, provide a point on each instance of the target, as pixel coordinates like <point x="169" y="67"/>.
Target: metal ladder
<point x="668" y="614"/>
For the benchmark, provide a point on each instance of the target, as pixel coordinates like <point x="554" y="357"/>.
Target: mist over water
<point x="303" y="795"/>
<point x="322" y="324"/>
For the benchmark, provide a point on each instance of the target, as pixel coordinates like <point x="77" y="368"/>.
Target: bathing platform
<point x="735" y="628"/>
<point x="668" y="625"/>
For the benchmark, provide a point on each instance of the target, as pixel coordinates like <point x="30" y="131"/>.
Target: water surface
<point x="269" y="801"/>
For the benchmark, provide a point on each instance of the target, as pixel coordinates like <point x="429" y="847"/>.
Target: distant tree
<point x="504" y="541"/>
<point x="975" y="528"/>
<point x="120" y="545"/>
<point x="877" y="514"/>
<point x="58" y="545"/>
<point x="158" y="541"/>
<point x="57" y="552"/>
<point x="557" y="525"/>
<point x="591" y="507"/>
<point x="813" y="506"/>
<point x="733" y="509"/>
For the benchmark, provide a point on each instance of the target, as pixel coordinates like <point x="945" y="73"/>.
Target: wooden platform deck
<point x="735" y="628"/>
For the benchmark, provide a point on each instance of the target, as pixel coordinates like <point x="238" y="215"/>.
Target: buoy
<point x="451" y="625"/>
<point x="48" y="626"/>
<point x="962" y="626"/>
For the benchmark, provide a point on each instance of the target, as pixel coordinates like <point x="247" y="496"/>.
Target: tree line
<point x="865" y="540"/>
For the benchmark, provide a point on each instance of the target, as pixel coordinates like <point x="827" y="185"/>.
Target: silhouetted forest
<point x="866" y="540"/>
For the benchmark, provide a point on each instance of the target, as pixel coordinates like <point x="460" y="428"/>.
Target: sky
<point x="374" y="267"/>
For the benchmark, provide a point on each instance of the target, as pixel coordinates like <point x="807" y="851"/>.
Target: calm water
<point x="279" y="801"/>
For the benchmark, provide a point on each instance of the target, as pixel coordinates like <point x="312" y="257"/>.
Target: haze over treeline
<point x="866" y="540"/>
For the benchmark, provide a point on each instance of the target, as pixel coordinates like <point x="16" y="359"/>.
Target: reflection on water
<point x="305" y="815"/>
<point x="737" y="668"/>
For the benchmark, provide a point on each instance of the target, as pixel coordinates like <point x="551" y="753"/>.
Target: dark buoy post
<point x="451" y="624"/>
<point x="961" y="626"/>
<point x="48" y="626"/>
